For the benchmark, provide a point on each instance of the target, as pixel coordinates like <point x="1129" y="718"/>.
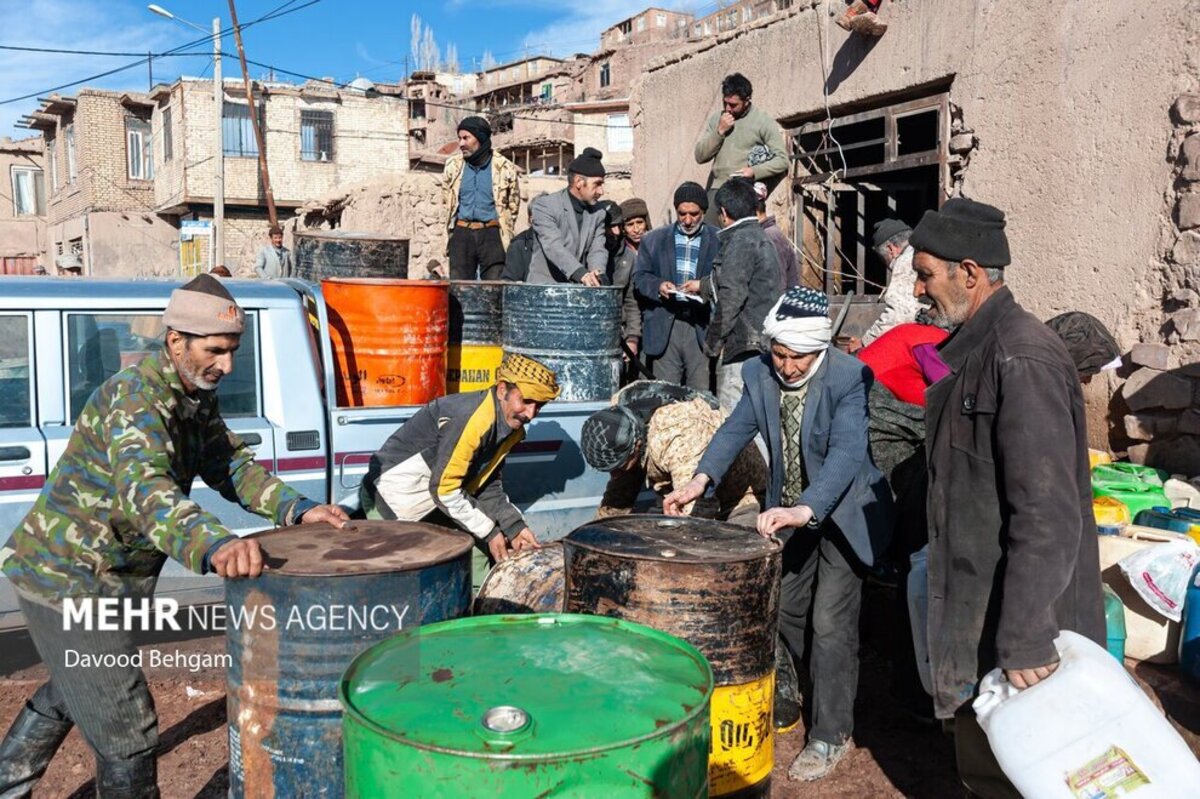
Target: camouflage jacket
<point x="116" y="505"/>
<point x="506" y="191"/>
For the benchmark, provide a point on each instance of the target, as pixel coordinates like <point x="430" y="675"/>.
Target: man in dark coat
<point x="1012" y="541"/>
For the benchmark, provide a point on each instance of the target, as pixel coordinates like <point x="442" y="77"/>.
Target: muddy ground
<point x="893" y="757"/>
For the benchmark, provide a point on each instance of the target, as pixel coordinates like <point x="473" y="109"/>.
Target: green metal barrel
<point x="524" y="706"/>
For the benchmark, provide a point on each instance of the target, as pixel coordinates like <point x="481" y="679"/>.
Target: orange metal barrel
<point x="389" y="339"/>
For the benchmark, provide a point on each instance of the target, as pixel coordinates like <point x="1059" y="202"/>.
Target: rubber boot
<point x="27" y="750"/>
<point x="135" y="778"/>
<point x="787" y="690"/>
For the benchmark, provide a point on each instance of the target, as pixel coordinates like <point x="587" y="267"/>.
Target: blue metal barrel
<point x="339" y="253"/>
<point x="327" y="596"/>
<point x="574" y="330"/>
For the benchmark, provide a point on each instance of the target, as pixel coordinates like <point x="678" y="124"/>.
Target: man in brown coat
<point x="1013" y="558"/>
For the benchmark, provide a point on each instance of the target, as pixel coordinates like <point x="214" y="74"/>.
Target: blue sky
<point x="335" y="38"/>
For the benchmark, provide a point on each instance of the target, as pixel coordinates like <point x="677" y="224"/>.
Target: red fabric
<point x="890" y="358"/>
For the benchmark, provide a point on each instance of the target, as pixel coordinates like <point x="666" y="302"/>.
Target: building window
<point x="547" y="92"/>
<point x="168" y="135"/>
<point x="660" y="20"/>
<point x="641" y="24"/>
<point x="316" y="135"/>
<point x="416" y="109"/>
<point x="605" y="75"/>
<point x="620" y="135"/>
<point x="515" y="73"/>
<point x="70" y="136"/>
<point x="28" y="191"/>
<point x="747" y="13"/>
<point x="238" y="130"/>
<point x="140" y="158"/>
<point x="533" y="68"/>
<point x="52" y="157"/>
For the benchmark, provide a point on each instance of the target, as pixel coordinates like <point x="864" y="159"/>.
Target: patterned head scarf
<point x="536" y="381"/>
<point x="610" y="436"/>
<point x="800" y="320"/>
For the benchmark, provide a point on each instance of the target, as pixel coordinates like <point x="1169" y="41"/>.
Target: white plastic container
<point x="1085" y="732"/>
<point x="1149" y="636"/>
<point x="918" y="613"/>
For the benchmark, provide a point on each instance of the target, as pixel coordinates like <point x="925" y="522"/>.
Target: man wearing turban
<point x="826" y="500"/>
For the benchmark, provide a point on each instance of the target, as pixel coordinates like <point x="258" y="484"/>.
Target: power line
<point x="279" y="11"/>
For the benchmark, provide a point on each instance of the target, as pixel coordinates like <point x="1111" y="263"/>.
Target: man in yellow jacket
<point x="482" y="196"/>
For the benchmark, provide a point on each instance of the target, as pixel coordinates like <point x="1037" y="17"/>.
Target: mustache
<point x="522" y="418"/>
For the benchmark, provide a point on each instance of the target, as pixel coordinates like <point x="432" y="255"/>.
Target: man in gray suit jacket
<point x="832" y="506"/>
<point x="274" y="260"/>
<point x="569" y="227"/>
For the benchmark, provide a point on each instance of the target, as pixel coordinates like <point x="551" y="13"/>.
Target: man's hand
<point x="691" y="286"/>
<point x="1024" y="678"/>
<point x="725" y="123"/>
<point x="498" y="547"/>
<point x="776" y="519"/>
<point x="632" y="342"/>
<point x="747" y="172"/>
<point x="524" y="540"/>
<point x="331" y="514"/>
<point x="666" y="289"/>
<point x="241" y="557"/>
<point x="673" y="503"/>
<point x="853" y="344"/>
<point x="590" y="279"/>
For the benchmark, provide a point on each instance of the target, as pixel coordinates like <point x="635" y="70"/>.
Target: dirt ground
<point x="893" y="756"/>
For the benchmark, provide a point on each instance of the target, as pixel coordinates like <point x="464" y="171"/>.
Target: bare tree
<point x="414" y="41"/>
<point x="431" y="54"/>
<point x="488" y="61"/>
<point x="451" y="63"/>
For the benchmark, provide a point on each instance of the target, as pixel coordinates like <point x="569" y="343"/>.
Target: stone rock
<point x="963" y="142"/>
<point x="1189" y="156"/>
<point x="1156" y="356"/>
<point x="1187" y="324"/>
<point x="1150" y="388"/>
<point x="1187" y="108"/>
<point x="1186" y="297"/>
<point x="1149" y="426"/>
<point x="1177" y="455"/>
<point x="1189" y="422"/>
<point x="1188" y="211"/>
<point x="1187" y="248"/>
<point x="1137" y="454"/>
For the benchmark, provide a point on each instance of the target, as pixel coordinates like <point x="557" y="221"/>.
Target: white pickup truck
<point x="61" y="338"/>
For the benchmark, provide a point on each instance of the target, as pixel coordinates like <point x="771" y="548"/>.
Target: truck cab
<point x="61" y="338"/>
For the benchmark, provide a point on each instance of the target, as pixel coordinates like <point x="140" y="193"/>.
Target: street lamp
<point x="219" y="158"/>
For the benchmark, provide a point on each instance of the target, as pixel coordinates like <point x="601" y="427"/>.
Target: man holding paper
<point x="671" y="262"/>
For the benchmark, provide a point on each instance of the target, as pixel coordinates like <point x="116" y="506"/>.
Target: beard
<point x="203" y="379"/>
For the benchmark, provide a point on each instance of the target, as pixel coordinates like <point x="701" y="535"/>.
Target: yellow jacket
<point x="506" y="192"/>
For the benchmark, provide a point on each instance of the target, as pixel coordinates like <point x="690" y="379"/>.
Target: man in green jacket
<point x="113" y="510"/>
<point x="741" y="141"/>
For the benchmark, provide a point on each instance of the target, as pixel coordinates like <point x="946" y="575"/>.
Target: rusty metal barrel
<point x="389" y="340"/>
<point x="716" y="586"/>
<point x="525" y="582"/>
<point x="574" y="330"/>
<point x="327" y="596"/>
<point x="476" y="331"/>
<point x="339" y="253"/>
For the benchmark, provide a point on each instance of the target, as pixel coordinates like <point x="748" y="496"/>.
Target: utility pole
<point x="219" y="155"/>
<point x="150" y="69"/>
<point x="254" y="120"/>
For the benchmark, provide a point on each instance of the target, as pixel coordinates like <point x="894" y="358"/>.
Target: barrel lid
<point x="527" y="687"/>
<point x="680" y="539"/>
<point x="384" y="281"/>
<point x="362" y="547"/>
<point x="347" y="235"/>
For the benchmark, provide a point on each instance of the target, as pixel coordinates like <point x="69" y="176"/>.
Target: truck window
<point x="15" y="391"/>
<point x="101" y="344"/>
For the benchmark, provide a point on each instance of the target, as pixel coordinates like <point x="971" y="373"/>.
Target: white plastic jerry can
<point x="1085" y="732"/>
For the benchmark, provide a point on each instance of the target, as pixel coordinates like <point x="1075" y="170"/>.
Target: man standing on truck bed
<point x="443" y="465"/>
<point x="112" y="511"/>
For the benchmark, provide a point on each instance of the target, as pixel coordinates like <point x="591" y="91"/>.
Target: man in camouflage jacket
<point x="114" y="509"/>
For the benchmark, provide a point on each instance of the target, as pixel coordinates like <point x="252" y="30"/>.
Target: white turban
<point x="799" y="320"/>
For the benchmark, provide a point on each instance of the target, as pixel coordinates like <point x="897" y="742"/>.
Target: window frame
<point x="613" y="127"/>
<point x="254" y="340"/>
<point x="605" y="74"/>
<point x="168" y="134"/>
<point x="246" y="125"/>
<point x="314" y="158"/>
<point x="32" y="418"/>
<point x="39" y="198"/>
<point x="69" y="143"/>
<point x="52" y="157"/>
<point x="136" y="127"/>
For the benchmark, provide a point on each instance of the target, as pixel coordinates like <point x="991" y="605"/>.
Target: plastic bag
<point x="1160" y="574"/>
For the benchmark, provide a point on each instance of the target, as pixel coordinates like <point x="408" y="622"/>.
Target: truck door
<point x="23" y="463"/>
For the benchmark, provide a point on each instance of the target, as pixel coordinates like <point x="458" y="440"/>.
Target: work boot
<point x="787" y="690"/>
<point x="817" y="760"/>
<point x="859" y="17"/>
<point x="135" y="778"/>
<point x="27" y="750"/>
